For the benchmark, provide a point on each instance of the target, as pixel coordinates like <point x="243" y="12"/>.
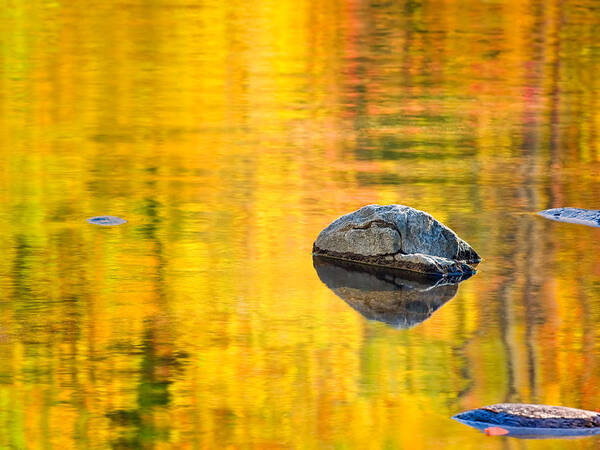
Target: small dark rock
<point x="106" y="221"/>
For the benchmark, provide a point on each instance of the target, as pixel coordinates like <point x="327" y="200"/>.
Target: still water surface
<point x="228" y="134"/>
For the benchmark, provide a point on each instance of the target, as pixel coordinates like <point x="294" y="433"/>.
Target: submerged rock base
<point x="435" y="266"/>
<point x="397" y="236"/>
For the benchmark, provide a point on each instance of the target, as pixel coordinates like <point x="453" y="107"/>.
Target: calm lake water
<point x="228" y="134"/>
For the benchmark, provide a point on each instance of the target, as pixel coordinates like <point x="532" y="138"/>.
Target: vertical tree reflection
<point x="148" y="424"/>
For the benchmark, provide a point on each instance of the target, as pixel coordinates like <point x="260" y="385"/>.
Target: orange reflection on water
<point x="229" y="135"/>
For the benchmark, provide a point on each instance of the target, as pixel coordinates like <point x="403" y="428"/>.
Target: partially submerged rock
<point x="527" y="420"/>
<point x="590" y="217"/>
<point x="398" y="298"/>
<point x="397" y="236"/>
<point x="106" y="221"/>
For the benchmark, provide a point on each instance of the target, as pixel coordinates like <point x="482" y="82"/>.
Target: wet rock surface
<point x="397" y="236"/>
<point x="401" y="299"/>
<point x="589" y="217"/>
<point x="106" y="221"/>
<point x="531" y="416"/>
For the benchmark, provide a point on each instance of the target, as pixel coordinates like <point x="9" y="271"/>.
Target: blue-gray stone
<point x="106" y="221"/>
<point x="528" y="420"/>
<point x="590" y="217"/>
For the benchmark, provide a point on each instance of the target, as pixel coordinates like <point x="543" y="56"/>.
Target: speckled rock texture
<point x="400" y="299"/>
<point x="589" y="217"/>
<point x="397" y="236"/>
<point x="532" y="416"/>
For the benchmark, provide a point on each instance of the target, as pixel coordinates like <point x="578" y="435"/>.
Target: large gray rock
<point x="397" y="236"/>
<point x="590" y="217"/>
<point x="398" y="298"/>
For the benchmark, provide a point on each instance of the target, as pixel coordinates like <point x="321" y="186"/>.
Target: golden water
<point x="229" y="134"/>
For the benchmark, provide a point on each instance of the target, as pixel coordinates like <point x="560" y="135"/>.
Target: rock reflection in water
<point x="398" y="298"/>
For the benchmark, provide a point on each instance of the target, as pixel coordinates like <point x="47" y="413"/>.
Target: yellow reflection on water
<point x="229" y="134"/>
